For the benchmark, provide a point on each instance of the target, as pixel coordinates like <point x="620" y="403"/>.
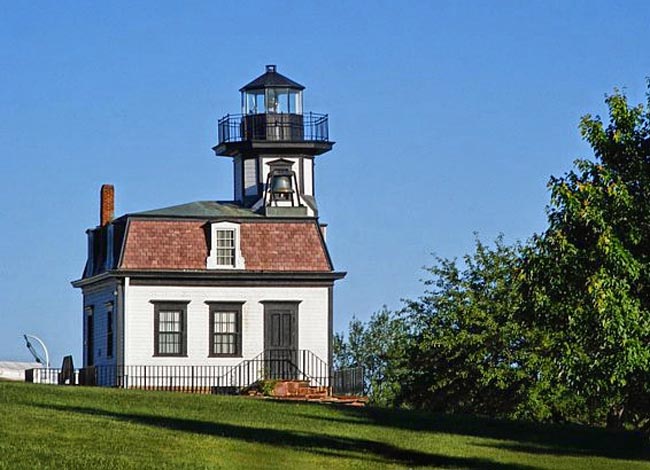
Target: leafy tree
<point x="587" y="278"/>
<point x="468" y="353"/>
<point x="378" y="346"/>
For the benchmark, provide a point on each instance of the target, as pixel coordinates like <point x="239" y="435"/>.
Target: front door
<point x="281" y="341"/>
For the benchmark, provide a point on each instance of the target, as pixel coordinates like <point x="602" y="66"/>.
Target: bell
<point x="281" y="184"/>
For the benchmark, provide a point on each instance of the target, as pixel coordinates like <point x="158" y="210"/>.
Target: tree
<point x="587" y="277"/>
<point x="469" y="352"/>
<point x="378" y="346"/>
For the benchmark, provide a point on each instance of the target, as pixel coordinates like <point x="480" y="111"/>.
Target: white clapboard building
<point x="217" y="295"/>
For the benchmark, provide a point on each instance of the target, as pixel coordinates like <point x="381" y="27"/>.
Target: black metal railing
<point x="314" y="369"/>
<point x="277" y="364"/>
<point x="348" y="381"/>
<point x="274" y="127"/>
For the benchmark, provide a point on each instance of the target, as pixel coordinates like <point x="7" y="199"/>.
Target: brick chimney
<point x="107" y="204"/>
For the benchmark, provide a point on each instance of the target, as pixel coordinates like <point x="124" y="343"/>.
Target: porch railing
<point x="270" y="364"/>
<point x="348" y="381"/>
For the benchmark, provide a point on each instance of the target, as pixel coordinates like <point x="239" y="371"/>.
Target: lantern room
<point x="272" y="93"/>
<point x="271" y="115"/>
<point x="272" y="108"/>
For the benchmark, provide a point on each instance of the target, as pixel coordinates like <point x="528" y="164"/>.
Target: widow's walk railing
<point x="274" y="127"/>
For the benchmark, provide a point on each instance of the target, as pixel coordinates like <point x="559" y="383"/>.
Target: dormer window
<point x="225" y="252"/>
<point x="226" y="247"/>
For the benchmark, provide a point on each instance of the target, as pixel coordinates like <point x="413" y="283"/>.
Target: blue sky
<point x="449" y="118"/>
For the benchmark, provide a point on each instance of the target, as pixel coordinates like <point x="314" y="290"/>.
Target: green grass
<point x="91" y="428"/>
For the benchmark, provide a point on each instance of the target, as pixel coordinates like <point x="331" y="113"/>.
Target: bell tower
<point x="273" y="144"/>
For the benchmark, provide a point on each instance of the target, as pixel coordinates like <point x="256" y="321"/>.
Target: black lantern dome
<point x="271" y="78"/>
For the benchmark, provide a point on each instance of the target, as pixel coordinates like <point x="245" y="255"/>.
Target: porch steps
<point x="298" y="389"/>
<point x="301" y="390"/>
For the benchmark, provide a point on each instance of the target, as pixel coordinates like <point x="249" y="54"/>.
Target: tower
<point x="273" y="144"/>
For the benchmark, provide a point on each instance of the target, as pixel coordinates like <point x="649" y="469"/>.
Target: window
<point x="295" y="102"/>
<point x="225" y="329"/>
<point x="255" y="102"/>
<point x="277" y="100"/>
<point x="170" y="337"/>
<point x="109" y="330"/>
<point x="225" y="250"/>
<point x="226" y="247"/>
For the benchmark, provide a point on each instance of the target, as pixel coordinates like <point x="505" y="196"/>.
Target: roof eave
<point x="220" y="275"/>
<point x="84" y="281"/>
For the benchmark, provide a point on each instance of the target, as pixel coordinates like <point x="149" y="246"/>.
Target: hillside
<point x="75" y="428"/>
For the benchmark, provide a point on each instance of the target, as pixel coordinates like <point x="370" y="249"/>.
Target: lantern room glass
<point x="272" y="100"/>
<point x="254" y="102"/>
<point x="295" y="101"/>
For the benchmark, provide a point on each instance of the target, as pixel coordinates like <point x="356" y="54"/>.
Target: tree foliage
<point x="379" y="346"/>
<point x="588" y="274"/>
<point x="468" y="352"/>
<point x="557" y="328"/>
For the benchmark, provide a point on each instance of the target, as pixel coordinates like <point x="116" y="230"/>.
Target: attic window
<point x="226" y="247"/>
<point x="225" y="252"/>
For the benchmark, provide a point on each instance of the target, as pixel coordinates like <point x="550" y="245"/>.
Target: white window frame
<point x="212" y="258"/>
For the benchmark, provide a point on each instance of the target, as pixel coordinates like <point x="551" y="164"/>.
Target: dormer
<point x="225" y="246"/>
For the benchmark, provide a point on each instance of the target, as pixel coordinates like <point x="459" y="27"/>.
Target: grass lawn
<point x="91" y="428"/>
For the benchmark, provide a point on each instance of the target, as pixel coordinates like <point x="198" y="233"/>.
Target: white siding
<point x="139" y="321"/>
<point x="308" y="165"/>
<point x="97" y="296"/>
<point x="250" y="176"/>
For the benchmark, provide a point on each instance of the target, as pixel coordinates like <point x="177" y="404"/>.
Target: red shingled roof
<point x="184" y="244"/>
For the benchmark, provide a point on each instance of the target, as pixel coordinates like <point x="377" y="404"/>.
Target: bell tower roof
<point x="271" y="79"/>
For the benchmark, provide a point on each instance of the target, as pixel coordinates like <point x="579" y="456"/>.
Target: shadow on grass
<point x="326" y="445"/>
<point x="531" y="438"/>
